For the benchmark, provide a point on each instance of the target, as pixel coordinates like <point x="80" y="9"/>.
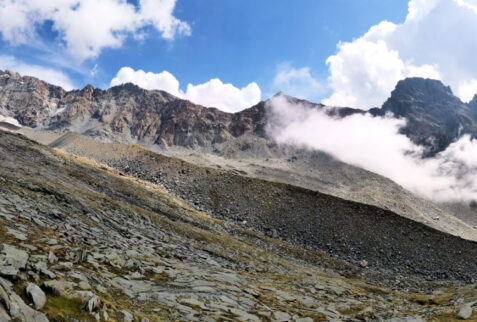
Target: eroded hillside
<point x="102" y="245"/>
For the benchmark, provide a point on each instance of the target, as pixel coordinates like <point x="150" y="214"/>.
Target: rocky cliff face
<point x="124" y="112"/>
<point x="127" y="113"/>
<point x="435" y="117"/>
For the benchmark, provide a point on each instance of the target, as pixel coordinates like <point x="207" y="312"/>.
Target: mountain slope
<point x="303" y="217"/>
<point x="101" y="244"/>
<point x="313" y="171"/>
<point x="166" y="124"/>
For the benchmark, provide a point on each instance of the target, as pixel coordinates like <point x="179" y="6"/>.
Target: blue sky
<point x="276" y="44"/>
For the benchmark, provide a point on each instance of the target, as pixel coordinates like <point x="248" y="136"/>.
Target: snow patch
<point x="9" y="120"/>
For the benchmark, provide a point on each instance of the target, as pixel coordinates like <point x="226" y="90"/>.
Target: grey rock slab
<point x="204" y="289"/>
<point x="8" y="271"/>
<point x="84" y="286"/>
<point x="132" y="288"/>
<point x="30" y="247"/>
<point x="304" y="320"/>
<point x="166" y="298"/>
<point x="241" y="315"/>
<point x="92" y="304"/>
<point x="18" y="235"/>
<point x="408" y="319"/>
<point x="465" y="311"/>
<point x="192" y="302"/>
<point x="123" y="316"/>
<point x="12" y="256"/>
<point x="15" y="306"/>
<point x="20" y="311"/>
<point x="230" y="278"/>
<point x="37" y="296"/>
<point x="52" y="258"/>
<point x="4" y="317"/>
<point x="61" y="288"/>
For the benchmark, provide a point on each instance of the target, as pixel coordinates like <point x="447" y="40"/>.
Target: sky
<point x="232" y="54"/>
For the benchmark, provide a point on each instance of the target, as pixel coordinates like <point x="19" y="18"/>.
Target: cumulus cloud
<point x="164" y="81"/>
<point x="297" y="82"/>
<point x="213" y="93"/>
<point x="375" y="144"/>
<point x="224" y="96"/>
<point x="88" y="26"/>
<point x="49" y="75"/>
<point x="434" y="41"/>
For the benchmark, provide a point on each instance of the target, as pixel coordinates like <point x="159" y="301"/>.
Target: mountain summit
<point x="435" y="116"/>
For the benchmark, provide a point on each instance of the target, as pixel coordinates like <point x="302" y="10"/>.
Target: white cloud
<point x="224" y="96"/>
<point x="436" y="41"/>
<point x="88" y="26"/>
<point x="375" y="144"/>
<point x="467" y="89"/>
<point x="297" y="82"/>
<point x="49" y="75"/>
<point x="164" y="81"/>
<point x="213" y="93"/>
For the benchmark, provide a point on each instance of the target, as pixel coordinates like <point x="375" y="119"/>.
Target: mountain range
<point x="435" y="117"/>
<point x="163" y="207"/>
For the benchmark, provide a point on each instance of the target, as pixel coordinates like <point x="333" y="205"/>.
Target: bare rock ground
<point x="102" y="245"/>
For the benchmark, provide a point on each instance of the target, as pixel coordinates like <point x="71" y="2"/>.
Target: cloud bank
<point x="436" y="40"/>
<point x="49" y="75"/>
<point x="213" y="93"/>
<point x="86" y="27"/>
<point x="375" y="144"/>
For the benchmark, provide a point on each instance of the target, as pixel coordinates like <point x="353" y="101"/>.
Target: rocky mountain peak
<point x="473" y="106"/>
<point x="127" y="88"/>
<point x="11" y="74"/>
<point x="435" y="116"/>
<point x="427" y="94"/>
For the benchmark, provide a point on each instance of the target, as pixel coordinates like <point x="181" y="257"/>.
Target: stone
<point x="93" y="304"/>
<point x="13" y="305"/>
<point x="8" y="271"/>
<point x="465" y="311"/>
<point x="18" y="235"/>
<point x="61" y="288"/>
<point x="281" y="316"/>
<point x="136" y="275"/>
<point x="241" y="315"/>
<point x="363" y="263"/>
<point x="52" y="242"/>
<point x="20" y="311"/>
<point x="84" y="285"/>
<point x="131" y="288"/>
<point x="52" y="258"/>
<point x="36" y="295"/>
<point x="123" y="316"/>
<point x="12" y="257"/>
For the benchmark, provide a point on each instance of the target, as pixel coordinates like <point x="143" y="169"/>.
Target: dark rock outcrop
<point x="435" y="117"/>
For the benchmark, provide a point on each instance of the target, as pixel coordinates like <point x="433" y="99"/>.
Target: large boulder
<point x="11" y="260"/>
<point x="13" y="308"/>
<point x="36" y="295"/>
